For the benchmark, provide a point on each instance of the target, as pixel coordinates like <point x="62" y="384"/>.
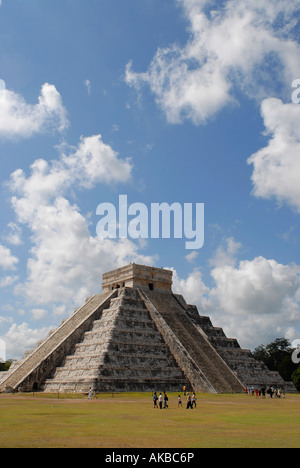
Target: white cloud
<point x="66" y="261"/>
<point x="257" y="287"/>
<point x="91" y="163"/>
<point x="21" y="338"/>
<point x="237" y="44"/>
<point x="258" y="300"/>
<point x="8" y="281"/>
<point x="276" y="171"/>
<point x="88" y="86"/>
<point x="192" y="257"/>
<point x="193" y="289"/>
<point x="5" y="319"/>
<point x="7" y="260"/>
<point x="14" y="236"/>
<point x="60" y="310"/>
<point x="95" y="162"/>
<point x="20" y="119"/>
<point x="226" y="255"/>
<point x="254" y="301"/>
<point x="39" y="314"/>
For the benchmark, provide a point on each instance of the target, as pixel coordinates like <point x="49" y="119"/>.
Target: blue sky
<point x="186" y="101"/>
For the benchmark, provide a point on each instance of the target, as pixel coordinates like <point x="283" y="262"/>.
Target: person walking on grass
<point x="160" y="401"/>
<point x="166" y="399"/>
<point x="155" y="400"/>
<point x="189" y="402"/>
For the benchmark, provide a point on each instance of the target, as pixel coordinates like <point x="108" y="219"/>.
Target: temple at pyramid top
<point x="138" y="276"/>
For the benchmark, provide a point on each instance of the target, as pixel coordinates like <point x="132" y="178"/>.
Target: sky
<point x="164" y="101"/>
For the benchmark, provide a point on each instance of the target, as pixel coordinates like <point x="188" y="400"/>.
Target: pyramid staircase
<point x="250" y="371"/>
<point x="210" y="373"/>
<point x="123" y="351"/>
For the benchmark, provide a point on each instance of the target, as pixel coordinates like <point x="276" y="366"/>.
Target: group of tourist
<point x="271" y="392"/>
<point x="161" y="401"/>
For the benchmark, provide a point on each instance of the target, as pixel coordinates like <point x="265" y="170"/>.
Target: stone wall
<point x="138" y="276"/>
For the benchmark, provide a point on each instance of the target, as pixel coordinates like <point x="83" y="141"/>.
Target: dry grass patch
<point x="129" y="420"/>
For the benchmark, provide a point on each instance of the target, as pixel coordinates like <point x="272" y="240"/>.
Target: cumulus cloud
<point x="193" y="289"/>
<point x="7" y="260"/>
<point x="66" y="261"/>
<point x="21" y="338"/>
<point x="95" y="162"/>
<point x="192" y="257"/>
<point x="259" y="299"/>
<point x="8" y="281"/>
<point x="20" y="119"/>
<point x="238" y="44"/>
<point x="276" y="171"/>
<point x="257" y="287"/>
<point x="90" y="163"/>
<point x="14" y="234"/>
<point x="39" y="314"/>
<point x="225" y="255"/>
<point x="255" y="300"/>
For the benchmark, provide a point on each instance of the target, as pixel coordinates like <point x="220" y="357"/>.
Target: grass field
<point x="129" y="421"/>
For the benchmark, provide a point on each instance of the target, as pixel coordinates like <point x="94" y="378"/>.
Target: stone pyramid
<point x="138" y="336"/>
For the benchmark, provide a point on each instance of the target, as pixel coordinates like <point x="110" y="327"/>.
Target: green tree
<point x="296" y="378"/>
<point x="260" y="354"/>
<point x="4" y="366"/>
<point x="277" y="356"/>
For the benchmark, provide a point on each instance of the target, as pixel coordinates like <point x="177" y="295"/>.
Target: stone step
<point x="108" y="385"/>
<point x="122" y="341"/>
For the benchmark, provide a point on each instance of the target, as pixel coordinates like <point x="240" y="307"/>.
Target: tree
<point x="277" y="356"/>
<point x="296" y="378"/>
<point x="4" y="366"/>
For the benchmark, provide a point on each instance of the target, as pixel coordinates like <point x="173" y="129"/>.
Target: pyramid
<point x="137" y="335"/>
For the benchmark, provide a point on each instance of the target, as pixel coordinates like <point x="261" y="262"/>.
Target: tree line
<point x="277" y="356"/>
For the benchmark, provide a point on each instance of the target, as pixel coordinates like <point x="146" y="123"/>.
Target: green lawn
<point x="129" y="420"/>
